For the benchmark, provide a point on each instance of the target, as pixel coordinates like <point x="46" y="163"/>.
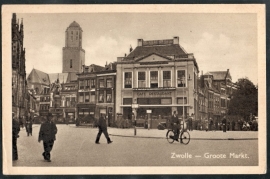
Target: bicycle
<point x="183" y="136"/>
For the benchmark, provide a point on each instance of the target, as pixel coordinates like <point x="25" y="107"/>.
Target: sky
<point x="218" y="41"/>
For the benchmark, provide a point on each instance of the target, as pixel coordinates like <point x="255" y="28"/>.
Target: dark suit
<point x="224" y="124"/>
<point x="102" y="126"/>
<point x="15" y="132"/>
<point x="47" y="134"/>
<point x="28" y="125"/>
<point x="176" y="127"/>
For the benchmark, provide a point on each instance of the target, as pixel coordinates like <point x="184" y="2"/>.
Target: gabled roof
<point x="165" y="50"/>
<point x="72" y="76"/>
<point x="62" y="77"/>
<point x="37" y="76"/>
<point x="139" y="59"/>
<point x="220" y="75"/>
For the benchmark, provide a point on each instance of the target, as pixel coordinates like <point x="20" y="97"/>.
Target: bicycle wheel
<point x="185" y="137"/>
<point x="170" y="136"/>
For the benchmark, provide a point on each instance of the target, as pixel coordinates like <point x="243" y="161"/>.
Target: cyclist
<point x="175" y="126"/>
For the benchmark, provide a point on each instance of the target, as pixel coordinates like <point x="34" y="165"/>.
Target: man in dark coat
<point x="28" y="125"/>
<point x="47" y="133"/>
<point x="102" y="127"/>
<point x="15" y="132"/>
<point x="190" y="127"/>
<point x="224" y="124"/>
<point x="175" y="125"/>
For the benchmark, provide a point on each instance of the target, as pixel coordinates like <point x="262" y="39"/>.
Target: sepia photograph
<point x="134" y="89"/>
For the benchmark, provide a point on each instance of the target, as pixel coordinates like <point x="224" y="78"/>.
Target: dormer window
<point x="70" y="63"/>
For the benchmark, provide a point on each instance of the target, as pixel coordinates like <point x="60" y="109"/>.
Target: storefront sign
<point x="148" y="111"/>
<point x="154" y="93"/>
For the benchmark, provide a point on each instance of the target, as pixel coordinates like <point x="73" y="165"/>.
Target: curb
<point x="148" y="137"/>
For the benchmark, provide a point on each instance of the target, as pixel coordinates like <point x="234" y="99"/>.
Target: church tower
<point x="73" y="54"/>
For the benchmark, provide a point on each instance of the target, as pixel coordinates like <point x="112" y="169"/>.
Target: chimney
<point x="176" y="40"/>
<point x="140" y="42"/>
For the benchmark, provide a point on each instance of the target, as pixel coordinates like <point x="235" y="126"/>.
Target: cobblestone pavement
<point x="74" y="146"/>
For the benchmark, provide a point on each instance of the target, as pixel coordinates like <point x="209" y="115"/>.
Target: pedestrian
<point x="175" y="126"/>
<point x="190" y="127"/>
<point x="28" y="125"/>
<point x="233" y="125"/>
<point x="15" y="135"/>
<point x="224" y="123"/>
<point x="216" y="125"/>
<point x="102" y="127"/>
<point x="211" y="124"/>
<point x="47" y="133"/>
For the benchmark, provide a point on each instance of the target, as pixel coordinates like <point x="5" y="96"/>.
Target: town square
<point x="135" y="89"/>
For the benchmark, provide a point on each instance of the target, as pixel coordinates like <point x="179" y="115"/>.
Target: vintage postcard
<point x="134" y="89"/>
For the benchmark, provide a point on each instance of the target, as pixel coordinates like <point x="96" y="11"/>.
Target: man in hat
<point x="15" y="132"/>
<point x="102" y="126"/>
<point x="47" y="133"/>
<point x="175" y="125"/>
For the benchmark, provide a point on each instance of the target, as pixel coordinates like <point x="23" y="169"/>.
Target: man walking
<point x="15" y="132"/>
<point x="47" y="133"/>
<point x="190" y="119"/>
<point x="102" y="127"/>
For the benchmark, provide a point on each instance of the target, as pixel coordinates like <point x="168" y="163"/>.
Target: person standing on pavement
<point x="28" y="125"/>
<point x="102" y="127"/>
<point x="190" y="127"/>
<point x="47" y="133"/>
<point x="15" y="135"/>
<point x="175" y="125"/>
<point x="211" y="124"/>
<point x="224" y="124"/>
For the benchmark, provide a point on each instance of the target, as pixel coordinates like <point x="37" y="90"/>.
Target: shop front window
<point x="154" y="79"/>
<point x="181" y="78"/>
<point x="141" y="80"/>
<point x="128" y="80"/>
<point x="180" y="100"/>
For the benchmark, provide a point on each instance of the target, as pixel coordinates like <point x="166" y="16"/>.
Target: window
<point x="81" y="84"/>
<point x="70" y="63"/>
<point x="166" y="78"/>
<point x="87" y="97"/>
<point x="101" y="83"/>
<point x="87" y="84"/>
<point x="223" y="103"/>
<point x="109" y="83"/>
<point x="154" y="79"/>
<point x="181" y="78"/>
<point x="141" y="80"/>
<point x="81" y="97"/>
<point x="180" y="100"/>
<point x="68" y="101"/>
<point x="109" y="96"/>
<point x="93" y="83"/>
<point x="92" y="97"/>
<point x="128" y="80"/>
<point x="127" y="101"/>
<point x="71" y="38"/>
<point x="101" y="97"/>
<point x="166" y="101"/>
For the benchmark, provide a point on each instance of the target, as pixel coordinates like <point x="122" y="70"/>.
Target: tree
<point x="244" y="100"/>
